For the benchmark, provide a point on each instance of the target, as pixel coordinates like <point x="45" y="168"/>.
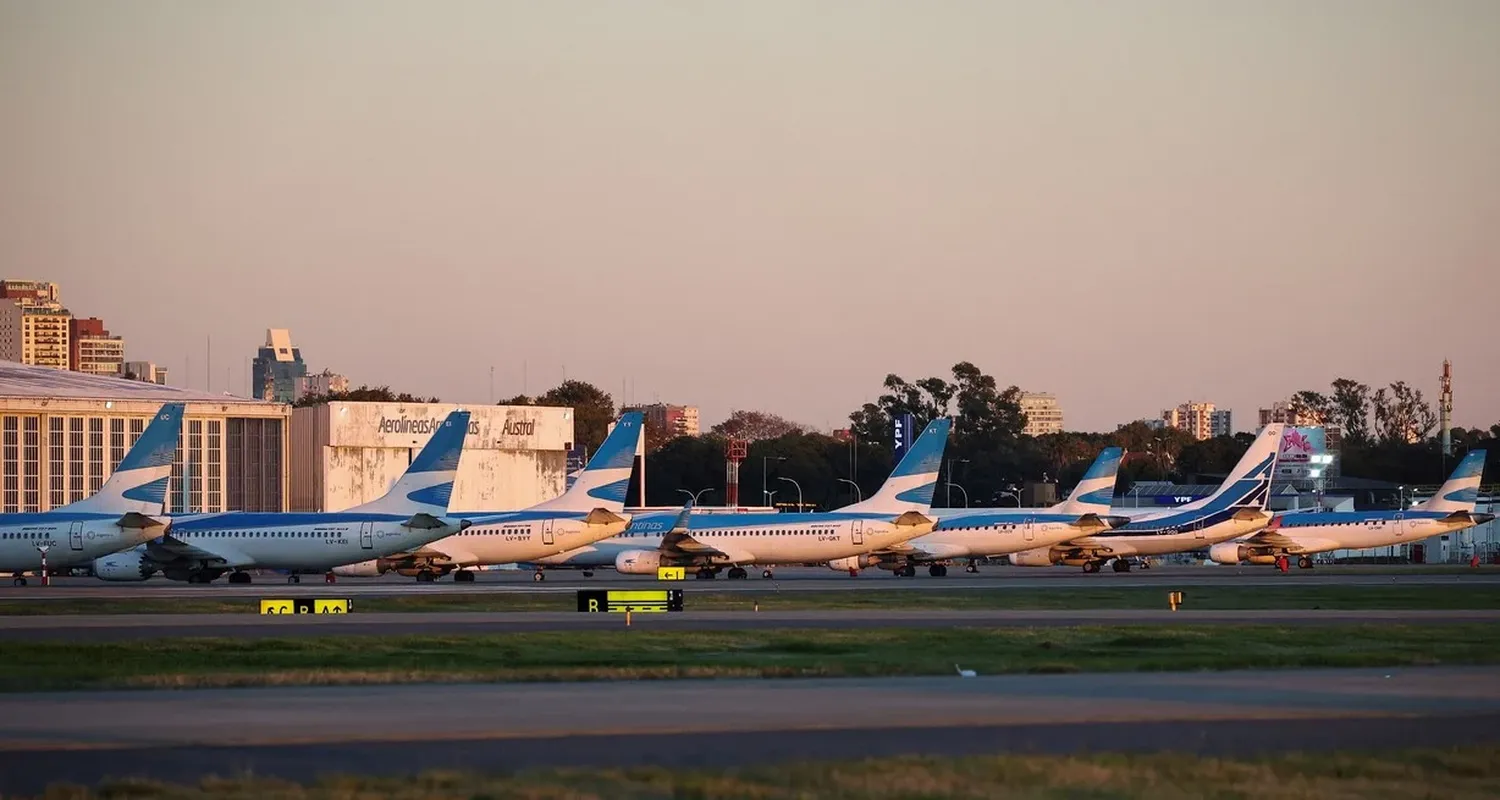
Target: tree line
<point x="1387" y="434"/>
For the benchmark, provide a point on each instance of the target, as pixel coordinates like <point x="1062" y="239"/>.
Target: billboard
<point x="1300" y="445"/>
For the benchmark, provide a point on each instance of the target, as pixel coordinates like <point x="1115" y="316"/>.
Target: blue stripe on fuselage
<point x="45" y="517"/>
<point x="237" y="520"/>
<point x="1310" y="519"/>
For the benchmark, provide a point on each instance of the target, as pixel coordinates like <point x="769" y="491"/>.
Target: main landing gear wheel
<point x="737" y="573"/>
<point x="239" y="577"/>
<point x="539" y="576"/>
<point x="937" y="570"/>
<point x="704" y="574"/>
<point x="767" y="574"/>
<point x="426" y="577"/>
<point x="463" y="576"/>
<point x="588" y="573"/>
<point x="1091" y="566"/>
<point x="18" y="581"/>
<point x="1121" y="565"/>
<point x="1304" y="562"/>
<point x="972" y="567"/>
<point x="907" y="571"/>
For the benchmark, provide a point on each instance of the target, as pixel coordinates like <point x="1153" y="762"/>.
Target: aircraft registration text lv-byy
<point x="979" y="533"/>
<point x="712" y="542"/>
<point x="590" y="510"/>
<point x="1236" y="509"/>
<point x="1303" y="533"/>
<point x="126" y="511"/>
<point x="199" y="548"/>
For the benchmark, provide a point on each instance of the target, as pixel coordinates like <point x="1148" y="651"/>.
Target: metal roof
<point x="25" y="381"/>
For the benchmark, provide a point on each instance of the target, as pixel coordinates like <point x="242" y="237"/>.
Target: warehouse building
<point x="62" y="433"/>
<point x="347" y="453"/>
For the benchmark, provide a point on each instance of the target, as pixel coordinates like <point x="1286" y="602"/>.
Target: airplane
<point x="126" y="511"/>
<point x="199" y="548"/>
<point x="1236" y="509"/>
<point x="1303" y="533"/>
<point x="978" y="533"/>
<point x="712" y="542"/>
<point x="590" y="510"/>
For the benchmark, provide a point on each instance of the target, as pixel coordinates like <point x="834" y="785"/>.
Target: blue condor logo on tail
<point x="611" y="492"/>
<point x="437" y="495"/>
<point x="150" y="492"/>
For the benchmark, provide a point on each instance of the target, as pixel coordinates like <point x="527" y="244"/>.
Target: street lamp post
<point x="697" y="494"/>
<point x="799" y="490"/>
<point x="1013" y="492"/>
<point x="951" y="462"/>
<point x="764" y="461"/>
<point x="951" y="484"/>
<point x="771" y="498"/>
<point x="858" y="495"/>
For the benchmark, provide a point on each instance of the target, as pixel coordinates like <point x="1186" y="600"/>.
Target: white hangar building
<point x="62" y="433"/>
<point x="347" y="453"/>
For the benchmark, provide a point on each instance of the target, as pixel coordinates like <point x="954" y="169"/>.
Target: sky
<point x="771" y="204"/>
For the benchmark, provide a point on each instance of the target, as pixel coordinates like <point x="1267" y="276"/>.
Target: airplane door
<point x="1028" y="529"/>
<point x="1400" y="524"/>
<point x="367" y="535"/>
<point x="75" y="536"/>
<point x="547" y="531"/>
<point x="857" y="531"/>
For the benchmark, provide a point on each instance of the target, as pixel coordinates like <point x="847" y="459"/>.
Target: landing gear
<point x="767" y="574"/>
<point x="907" y="571"/>
<point x="1304" y="562"/>
<point x="293" y="578"/>
<point x="973" y="566"/>
<point x="426" y="577"/>
<point x="737" y="573"/>
<point x="1091" y="566"/>
<point x="588" y="573"/>
<point x="704" y="574"/>
<point x="937" y="570"/>
<point x="1121" y="565"/>
<point x="239" y="577"/>
<point x="463" y="576"/>
<point x="19" y="580"/>
<point x="539" y="576"/>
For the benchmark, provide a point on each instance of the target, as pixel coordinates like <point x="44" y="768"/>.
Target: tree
<point x="593" y="410"/>
<point x="754" y="426"/>
<point x="1351" y="410"/>
<point x="1402" y="415"/>
<point x="1314" y="406"/>
<point x="364" y="394"/>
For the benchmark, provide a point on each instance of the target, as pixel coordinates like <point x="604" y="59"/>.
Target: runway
<point x="129" y="627"/>
<point x="792" y="579"/>
<point x="299" y="733"/>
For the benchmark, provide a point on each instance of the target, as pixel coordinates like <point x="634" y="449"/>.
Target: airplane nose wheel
<point x="539" y="576"/>
<point x="463" y="576"/>
<point x="1121" y="565"/>
<point x="937" y="570"/>
<point x="1092" y="566"/>
<point x="767" y="574"/>
<point x="737" y="573"/>
<point x="971" y="568"/>
<point x="1304" y="562"/>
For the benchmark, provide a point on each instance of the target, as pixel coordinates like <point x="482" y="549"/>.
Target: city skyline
<point x="777" y="204"/>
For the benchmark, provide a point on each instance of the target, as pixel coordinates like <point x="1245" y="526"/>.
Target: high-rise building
<point x="1042" y="413"/>
<point x="322" y="383"/>
<point x="34" y="326"/>
<point x="1195" y="418"/>
<point x="674" y="420"/>
<point x="1222" y="422"/>
<point x="144" y="371"/>
<point x="93" y="349"/>
<point x="1286" y="413"/>
<point x="278" y="365"/>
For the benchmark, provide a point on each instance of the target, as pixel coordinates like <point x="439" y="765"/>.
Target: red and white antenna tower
<point x="736" y="453"/>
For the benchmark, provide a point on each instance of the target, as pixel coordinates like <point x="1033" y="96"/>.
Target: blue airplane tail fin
<point x="1095" y="493"/>
<point x="427" y="485"/>
<point x="139" y="483"/>
<point x="603" y="483"/>
<point x="910" y="486"/>
<point x="1461" y="490"/>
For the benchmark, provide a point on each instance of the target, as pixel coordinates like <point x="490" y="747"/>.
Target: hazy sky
<point x="772" y="204"/>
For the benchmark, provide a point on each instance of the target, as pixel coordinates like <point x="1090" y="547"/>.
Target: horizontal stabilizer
<point x="1466" y="518"/>
<point x="602" y="516"/>
<point x="135" y="519"/>
<point x="914" y="518"/>
<point x="1100" y="521"/>
<point x="1250" y="515"/>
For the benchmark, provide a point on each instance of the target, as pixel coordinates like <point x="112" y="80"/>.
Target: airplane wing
<point x="168" y="549"/>
<point x="680" y="542"/>
<point x="443" y="553"/>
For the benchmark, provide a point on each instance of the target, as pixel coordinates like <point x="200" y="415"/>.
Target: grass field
<point x="1457" y="774"/>
<point x="1426" y="596"/>
<point x="627" y="654"/>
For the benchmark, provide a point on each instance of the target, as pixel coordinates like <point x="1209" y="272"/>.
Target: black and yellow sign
<point x="671" y="573"/>
<point x="622" y="600"/>
<point x="305" y="606"/>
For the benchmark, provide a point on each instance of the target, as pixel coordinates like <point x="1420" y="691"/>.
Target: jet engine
<point x="855" y="563"/>
<point x="131" y="565"/>
<point x="638" y="562"/>
<point x="364" y="569"/>
<point x="1036" y="557"/>
<point x="1236" y="553"/>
